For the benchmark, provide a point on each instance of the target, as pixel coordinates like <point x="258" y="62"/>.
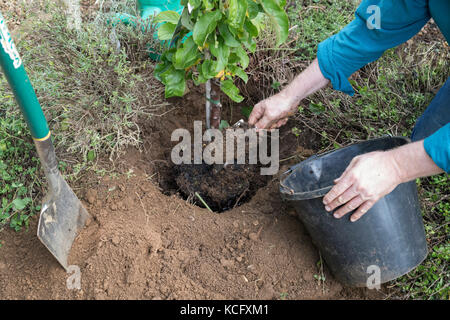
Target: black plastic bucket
<point x="389" y="236"/>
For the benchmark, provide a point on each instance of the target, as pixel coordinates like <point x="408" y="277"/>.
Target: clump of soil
<point x="222" y="187"/>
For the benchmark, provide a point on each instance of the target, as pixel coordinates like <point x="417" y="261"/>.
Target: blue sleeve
<point x="366" y="38"/>
<point x="438" y="147"/>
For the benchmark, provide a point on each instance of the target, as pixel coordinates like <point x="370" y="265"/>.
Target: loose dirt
<point x="146" y="242"/>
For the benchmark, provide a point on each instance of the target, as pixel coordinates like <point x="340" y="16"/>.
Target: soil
<point x="221" y="187"/>
<point x="224" y="185"/>
<point x="146" y="242"/>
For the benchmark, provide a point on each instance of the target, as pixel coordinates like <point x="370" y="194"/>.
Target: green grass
<point x="316" y="20"/>
<point x="19" y="180"/>
<point x="92" y="93"/>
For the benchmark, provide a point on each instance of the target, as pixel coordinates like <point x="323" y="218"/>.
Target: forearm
<point x="412" y="161"/>
<point x="306" y="83"/>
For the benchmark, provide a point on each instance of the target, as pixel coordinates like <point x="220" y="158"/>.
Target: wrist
<point x="412" y="161"/>
<point x="397" y="164"/>
<point x="291" y="100"/>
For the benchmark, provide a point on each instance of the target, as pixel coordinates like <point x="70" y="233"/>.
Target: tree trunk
<point x="216" y="106"/>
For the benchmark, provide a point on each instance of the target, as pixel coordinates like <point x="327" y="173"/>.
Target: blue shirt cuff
<point x="329" y="70"/>
<point x="437" y="146"/>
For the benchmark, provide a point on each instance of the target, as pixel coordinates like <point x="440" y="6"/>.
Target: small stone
<point x="255" y="223"/>
<point x="307" y="276"/>
<point x="91" y="195"/>
<point x="253" y="236"/>
<point x="267" y="292"/>
<point x="113" y="207"/>
<point x="226" y="263"/>
<point x="115" y="240"/>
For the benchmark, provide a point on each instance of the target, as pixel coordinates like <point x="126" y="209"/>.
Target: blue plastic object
<point x="148" y="9"/>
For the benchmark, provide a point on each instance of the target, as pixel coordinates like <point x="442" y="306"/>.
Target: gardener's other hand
<point x="272" y="112"/>
<point x="367" y="178"/>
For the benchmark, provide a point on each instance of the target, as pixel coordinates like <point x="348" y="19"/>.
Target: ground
<point x="144" y="244"/>
<point x="112" y="128"/>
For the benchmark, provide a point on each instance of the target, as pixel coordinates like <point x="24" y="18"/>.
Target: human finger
<point x="350" y="206"/>
<point x="257" y="113"/>
<point x="342" y="199"/>
<point x="362" y="210"/>
<point x="338" y="189"/>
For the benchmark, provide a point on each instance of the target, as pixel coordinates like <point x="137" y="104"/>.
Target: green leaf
<point x="165" y="32"/>
<point x="275" y="85"/>
<point x="167" y="16"/>
<point x="186" y="20"/>
<point x="222" y="52"/>
<point x="278" y="17"/>
<point x="91" y="155"/>
<point x="195" y="3"/>
<point x="246" y="111"/>
<point x="253" y="9"/>
<point x="204" y="26"/>
<point x="249" y="43"/>
<point x="174" y="81"/>
<point x="228" y="36"/>
<point x="20" y="204"/>
<point x="228" y="87"/>
<point x="236" y="13"/>
<point x="317" y="108"/>
<point x="250" y="28"/>
<point x="166" y="62"/>
<point x="208" y="69"/>
<point x="187" y="55"/>
<point x="282" y="3"/>
<point x="223" y="124"/>
<point x="259" y="21"/>
<point x="235" y="70"/>
<point x="199" y="80"/>
<point x="208" y="5"/>
<point x="243" y="57"/>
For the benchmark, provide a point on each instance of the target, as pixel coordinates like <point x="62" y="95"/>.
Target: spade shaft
<point x="62" y="214"/>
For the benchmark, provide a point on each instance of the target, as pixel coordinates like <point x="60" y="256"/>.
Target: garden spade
<point x="62" y="214"/>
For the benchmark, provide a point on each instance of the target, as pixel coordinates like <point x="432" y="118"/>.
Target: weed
<point x="94" y="96"/>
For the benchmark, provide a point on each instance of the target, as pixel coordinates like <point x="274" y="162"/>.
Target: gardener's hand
<point x="272" y="112"/>
<point x="368" y="178"/>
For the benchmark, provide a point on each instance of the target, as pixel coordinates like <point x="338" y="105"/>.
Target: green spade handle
<point x="17" y="77"/>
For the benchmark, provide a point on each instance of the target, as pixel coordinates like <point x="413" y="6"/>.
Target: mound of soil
<point x="142" y="244"/>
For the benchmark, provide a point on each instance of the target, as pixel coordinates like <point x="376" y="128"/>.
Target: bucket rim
<point x="289" y="194"/>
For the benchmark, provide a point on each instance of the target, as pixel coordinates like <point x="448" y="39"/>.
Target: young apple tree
<point x="209" y="44"/>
